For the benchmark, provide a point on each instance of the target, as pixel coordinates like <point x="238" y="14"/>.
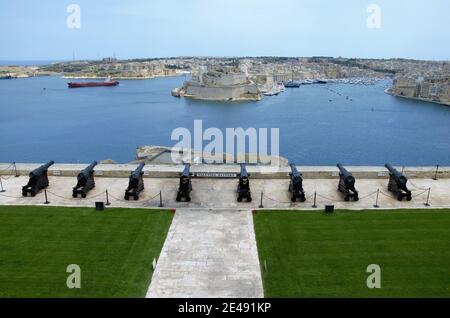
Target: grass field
<point x="114" y="249"/>
<point x="309" y="254"/>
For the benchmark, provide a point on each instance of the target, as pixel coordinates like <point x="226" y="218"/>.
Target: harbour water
<point x="41" y="119"/>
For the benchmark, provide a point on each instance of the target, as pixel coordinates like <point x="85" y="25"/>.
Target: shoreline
<point x="390" y="92"/>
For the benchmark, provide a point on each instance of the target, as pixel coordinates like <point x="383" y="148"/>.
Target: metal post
<point x="376" y="202"/>
<point x="1" y="186"/>
<point x="428" y="198"/>
<point x="46" y="199"/>
<point x="261" y="206"/>
<point x="315" y="197"/>
<point x="436" y="174"/>
<point x="160" y="199"/>
<point x="107" y="198"/>
<point x="15" y="170"/>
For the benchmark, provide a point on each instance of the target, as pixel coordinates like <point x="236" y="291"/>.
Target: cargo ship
<point x="107" y="82"/>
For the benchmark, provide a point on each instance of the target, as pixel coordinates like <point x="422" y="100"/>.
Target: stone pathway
<point x="208" y="253"/>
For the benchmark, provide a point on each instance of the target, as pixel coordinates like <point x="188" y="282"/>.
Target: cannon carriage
<point x="135" y="183"/>
<point x="85" y="181"/>
<point x="38" y="180"/>
<point x="296" y="185"/>
<point x="243" y="189"/>
<point x="397" y="184"/>
<point x="347" y="184"/>
<point x="185" y="187"/>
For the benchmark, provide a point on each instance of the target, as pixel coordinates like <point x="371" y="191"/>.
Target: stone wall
<point x="257" y="172"/>
<point x="237" y="92"/>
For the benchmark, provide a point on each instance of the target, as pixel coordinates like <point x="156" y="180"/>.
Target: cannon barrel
<point x="393" y="171"/>
<point x="343" y="171"/>
<point x="138" y="171"/>
<point x="347" y="176"/>
<point x="397" y="175"/>
<point x="187" y="171"/>
<point x="87" y="171"/>
<point x="39" y="171"/>
<point x="244" y="172"/>
<point x="295" y="172"/>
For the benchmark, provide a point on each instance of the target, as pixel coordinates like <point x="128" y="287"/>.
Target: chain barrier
<point x="329" y="199"/>
<point x="9" y="196"/>
<point x="367" y="196"/>
<point x="274" y="200"/>
<point x="11" y="174"/>
<point x="422" y="193"/>
<point x="133" y="202"/>
<point x="388" y="195"/>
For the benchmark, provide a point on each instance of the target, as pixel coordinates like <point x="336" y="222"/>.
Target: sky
<point x="38" y="30"/>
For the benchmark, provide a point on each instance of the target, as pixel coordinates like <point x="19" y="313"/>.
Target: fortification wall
<point x="237" y="92"/>
<point x="257" y="172"/>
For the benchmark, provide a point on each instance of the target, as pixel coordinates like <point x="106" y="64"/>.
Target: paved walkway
<point x="221" y="193"/>
<point x="208" y="253"/>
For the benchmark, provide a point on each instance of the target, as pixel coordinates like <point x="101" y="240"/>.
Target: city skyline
<point x="139" y="29"/>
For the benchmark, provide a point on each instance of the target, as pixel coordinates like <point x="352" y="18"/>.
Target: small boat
<point x="107" y="82"/>
<point x="292" y="84"/>
<point x="5" y="77"/>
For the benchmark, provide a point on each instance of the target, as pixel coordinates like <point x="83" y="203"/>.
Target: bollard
<point x="261" y="206"/>
<point x="160" y="199"/>
<point x="1" y="186"/>
<point x="15" y="170"/>
<point x="315" y="197"/>
<point x="107" y="198"/>
<point x="376" y="202"/>
<point x="428" y="198"/>
<point x="46" y="199"/>
<point x="436" y="174"/>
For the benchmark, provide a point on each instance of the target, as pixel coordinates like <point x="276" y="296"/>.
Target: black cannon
<point x="185" y="188"/>
<point x="296" y="185"/>
<point x="85" y="181"/>
<point x="397" y="184"/>
<point x="38" y="180"/>
<point x="136" y="183"/>
<point x="347" y="184"/>
<point x="243" y="189"/>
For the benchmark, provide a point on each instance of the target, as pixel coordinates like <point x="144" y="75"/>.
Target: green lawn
<point x="310" y="254"/>
<point x="114" y="249"/>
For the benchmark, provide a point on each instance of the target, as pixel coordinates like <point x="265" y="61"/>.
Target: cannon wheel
<point x="249" y="199"/>
<point x="239" y="199"/>
<point x="293" y="198"/>
<point x="178" y="199"/>
<point x="400" y="197"/>
<point x="83" y="195"/>
<point x="347" y="198"/>
<point x="356" y="199"/>
<point x="33" y="194"/>
<point x="188" y="199"/>
<point x="136" y="197"/>
<point x="24" y="193"/>
<point x="303" y="199"/>
<point x="408" y="198"/>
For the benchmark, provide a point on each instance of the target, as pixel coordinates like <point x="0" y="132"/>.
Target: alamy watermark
<point x="374" y="279"/>
<point x="74" y="19"/>
<point x="374" y="19"/>
<point x="237" y="145"/>
<point x="74" y="279"/>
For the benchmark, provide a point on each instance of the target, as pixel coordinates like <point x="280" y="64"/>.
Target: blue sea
<point x="41" y="119"/>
